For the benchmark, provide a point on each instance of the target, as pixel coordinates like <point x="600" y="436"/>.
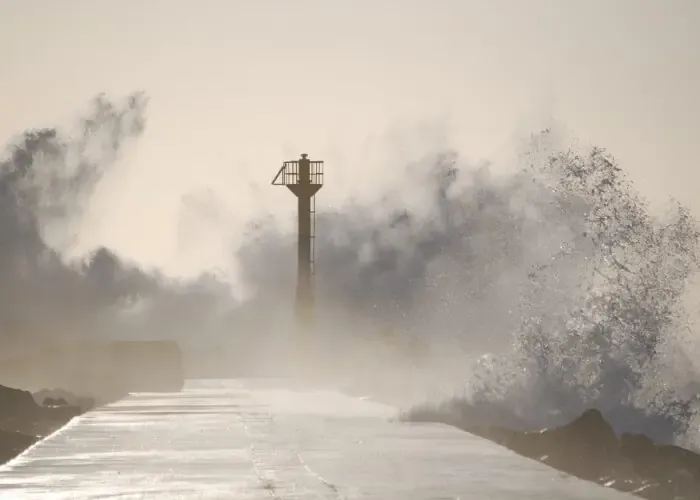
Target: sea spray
<point x="610" y="346"/>
<point x="559" y="270"/>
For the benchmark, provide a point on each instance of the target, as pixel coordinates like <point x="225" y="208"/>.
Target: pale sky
<point x="236" y="87"/>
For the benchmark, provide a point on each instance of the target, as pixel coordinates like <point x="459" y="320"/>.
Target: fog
<point x="449" y="244"/>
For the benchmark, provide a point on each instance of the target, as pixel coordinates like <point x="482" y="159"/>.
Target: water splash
<point x="559" y="270"/>
<point x="617" y="340"/>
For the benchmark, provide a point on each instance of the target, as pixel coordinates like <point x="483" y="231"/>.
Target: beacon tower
<point x="304" y="178"/>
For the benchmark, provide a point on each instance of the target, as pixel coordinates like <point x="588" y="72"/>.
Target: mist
<point x="530" y="293"/>
<point x="539" y="288"/>
<point x="49" y="179"/>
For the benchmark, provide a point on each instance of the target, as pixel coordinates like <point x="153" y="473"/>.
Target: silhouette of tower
<point x="304" y="178"/>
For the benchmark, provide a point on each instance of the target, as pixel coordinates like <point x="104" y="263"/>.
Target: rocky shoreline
<point x="26" y="418"/>
<point x="588" y="448"/>
<point x="90" y="373"/>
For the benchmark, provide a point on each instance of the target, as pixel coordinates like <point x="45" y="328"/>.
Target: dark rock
<point x="671" y="468"/>
<point x="23" y="421"/>
<point x="60" y="397"/>
<point x="54" y="402"/>
<point x="589" y="448"/>
<point x="15" y="403"/>
<point x="13" y="443"/>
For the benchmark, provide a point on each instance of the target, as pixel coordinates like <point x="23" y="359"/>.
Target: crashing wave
<point x="617" y="340"/>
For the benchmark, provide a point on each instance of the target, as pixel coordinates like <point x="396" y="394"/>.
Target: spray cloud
<point x="559" y="269"/>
